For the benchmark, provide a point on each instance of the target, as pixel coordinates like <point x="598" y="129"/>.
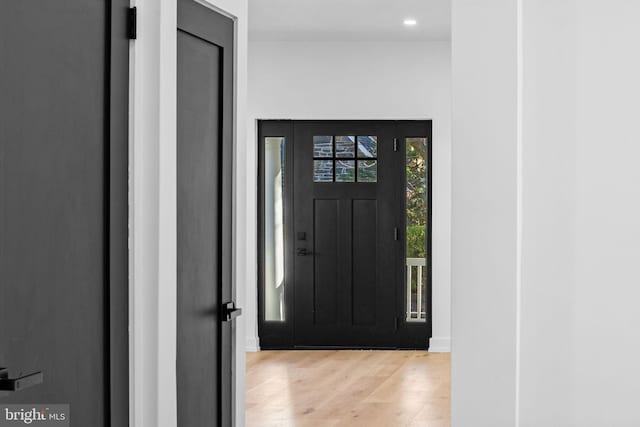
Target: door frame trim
<point x="116" y="201"/>
<point x="152" y="215"/>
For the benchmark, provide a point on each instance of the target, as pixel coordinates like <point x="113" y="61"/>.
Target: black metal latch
<point x="230" y="311"/>
<point x="17" y="384"/>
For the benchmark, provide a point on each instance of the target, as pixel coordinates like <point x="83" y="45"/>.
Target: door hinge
<point x="395" y="233"/>
<point x="132" y="23"/>
<point x="395" y="323"/>
<point x="395" y="144"/>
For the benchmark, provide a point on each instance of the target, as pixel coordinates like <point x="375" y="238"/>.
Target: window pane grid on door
<point x="345" y="158"/>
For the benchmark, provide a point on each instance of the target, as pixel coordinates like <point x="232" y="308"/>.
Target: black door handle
<point x="17" y="384"/>
<point x="303" y="252"/>
<point x="230" y="311"/>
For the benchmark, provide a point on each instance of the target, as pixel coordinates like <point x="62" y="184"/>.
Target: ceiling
<point x="348" y="20"/>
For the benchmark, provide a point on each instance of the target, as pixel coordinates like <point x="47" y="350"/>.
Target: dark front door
<point x="205" y="143"/>
<point x="63" y="207"/>
<point x="355" y="258"/>
<point x="345" y="214"/>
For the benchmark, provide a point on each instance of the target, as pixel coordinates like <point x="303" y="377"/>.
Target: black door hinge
<point x="132" y="23"/>
<point x="395" y="144"/>
<point x="395" y="233"/>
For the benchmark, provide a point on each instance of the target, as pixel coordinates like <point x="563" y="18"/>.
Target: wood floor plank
<point x="348" y="388"/>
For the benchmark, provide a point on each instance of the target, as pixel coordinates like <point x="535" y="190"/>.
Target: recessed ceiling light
<point x="410" y="22"/>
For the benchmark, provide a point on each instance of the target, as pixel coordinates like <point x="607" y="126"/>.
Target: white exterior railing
<point x="419" y="314"/>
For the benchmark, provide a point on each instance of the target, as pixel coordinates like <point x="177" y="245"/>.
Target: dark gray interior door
<point x="205" y="143"/>
<point x="63" y="207"/>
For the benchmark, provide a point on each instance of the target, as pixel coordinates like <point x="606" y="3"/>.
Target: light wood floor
<point x="347" y="388"/>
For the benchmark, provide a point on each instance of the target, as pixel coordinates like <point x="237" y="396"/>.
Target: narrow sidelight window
<point x="274" y="170"/>
<point x="416" y="232"/>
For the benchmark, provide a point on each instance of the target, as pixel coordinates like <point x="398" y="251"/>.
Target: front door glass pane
<point x="345" y="171"/>
<point x="323" y="146"/>
<point x="367" y="170"/>
<point x="345" y="146"/>
<point x="367" y="146"/>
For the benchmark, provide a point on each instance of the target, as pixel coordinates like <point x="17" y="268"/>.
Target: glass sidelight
<point x="274" y="170"/>
<point x="416" y="228"/>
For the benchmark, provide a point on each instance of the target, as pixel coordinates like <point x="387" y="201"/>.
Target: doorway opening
<point x="344" y="235"/>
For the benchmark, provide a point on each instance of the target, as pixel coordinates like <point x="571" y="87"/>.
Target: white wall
<point x="565" y="322"/>
<point x="548" y="212"/>
<point x="359" y="80"/>
<point x="484" y="213"/>
<point x="605" y="344"/>
<point x="153" y="209"/>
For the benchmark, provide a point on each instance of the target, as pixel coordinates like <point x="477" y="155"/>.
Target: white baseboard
<point x="440" y="345"/>
<point x="252" y="344"/>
